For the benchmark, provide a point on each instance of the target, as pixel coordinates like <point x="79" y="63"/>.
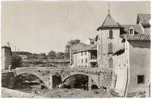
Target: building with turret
<point x="108" y="41"/>
<point x="126" y="50"/>
<point x="122" y="49"/>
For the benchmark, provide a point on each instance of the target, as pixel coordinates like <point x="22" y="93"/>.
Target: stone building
<point x="108" y="41"/>
<point x="126" y="50"/>
<point x="122" y="49"/>
<point x="6" y="57"/>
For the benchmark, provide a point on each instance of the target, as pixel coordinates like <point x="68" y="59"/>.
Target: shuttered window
<point x="110" y="48"/>
<point x="131" y="31"/>
<point x="110" y="63"/>
<point x="110" y="34"/>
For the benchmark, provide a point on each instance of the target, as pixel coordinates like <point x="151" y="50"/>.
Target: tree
<point x="43" y="56"/>
<point x="52" y="55"/>
<point x="16" y="61"/>
<point x="72" y="42"/>
<point x="68" y="47"/>
<point x="60" y="55"/>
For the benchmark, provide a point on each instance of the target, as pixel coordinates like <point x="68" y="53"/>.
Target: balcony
<point x="93" y="58"/>
<point x="94" y="64"/>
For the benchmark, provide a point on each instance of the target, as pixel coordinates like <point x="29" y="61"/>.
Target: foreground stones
<point x="8" y="93"/>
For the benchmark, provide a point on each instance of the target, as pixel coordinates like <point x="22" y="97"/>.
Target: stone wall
<point x="8" y="79"/>
<point x="6" y="57"/>
<point x="106" y="79"/>
<point x="139" y="65"/>
<point x="103" y="46"/>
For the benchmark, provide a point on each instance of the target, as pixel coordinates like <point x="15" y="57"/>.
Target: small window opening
<point x="140" y="79"/>
<point x="110" y="34"/>
<point x="131" y="31"/>
<point x="110" y="48"/>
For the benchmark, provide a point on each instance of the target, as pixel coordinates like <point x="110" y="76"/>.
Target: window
<point x="82" y="61"/>
<point x="96" y="38"/>
<point x="81" y="53"/>
<point x="110" y="48"/>
<point x="131" y="31"/>
<point x="86" y="60"/>
<point x="140" y="79"/>
<point x="110" y="63"/>
<point x="93" y="64"/>
<point x="110" y="34"/>
<point x="85" y="53"/>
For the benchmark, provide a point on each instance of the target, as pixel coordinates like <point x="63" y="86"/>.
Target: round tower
<point x="6" y="57"/>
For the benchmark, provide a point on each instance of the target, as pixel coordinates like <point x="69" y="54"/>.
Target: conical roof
<point x="109" y="22"/>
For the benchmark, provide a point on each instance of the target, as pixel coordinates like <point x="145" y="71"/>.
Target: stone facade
<point x="107" y="46"/>
<point x="6" y="57"/>
<point x="126" y="51"/>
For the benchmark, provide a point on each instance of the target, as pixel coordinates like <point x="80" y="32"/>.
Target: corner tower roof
<point x="109" y="22"/>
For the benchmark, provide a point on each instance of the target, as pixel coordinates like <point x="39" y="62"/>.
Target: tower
<point x="6" y="57"/>
<point x="108" y="41"/>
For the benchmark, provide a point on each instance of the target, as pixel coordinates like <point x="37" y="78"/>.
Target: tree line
<point x="17" y="60"/>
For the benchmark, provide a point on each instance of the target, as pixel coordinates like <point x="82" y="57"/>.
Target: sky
<point x="39" y="27"/>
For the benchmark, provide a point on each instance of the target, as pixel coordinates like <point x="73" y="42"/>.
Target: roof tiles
<point x="109" y="22"/>
<point x="141" y="37"/>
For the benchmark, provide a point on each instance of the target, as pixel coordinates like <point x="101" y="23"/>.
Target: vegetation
<point x="16" y="61"/>
<point x="68" y="47"/>
<point x="60" y="55"/>
<point x="51" y="54"/>
<point x="72" y="42"/>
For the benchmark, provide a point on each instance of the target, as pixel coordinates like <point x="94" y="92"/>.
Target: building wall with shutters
<point x="81" y="59"/>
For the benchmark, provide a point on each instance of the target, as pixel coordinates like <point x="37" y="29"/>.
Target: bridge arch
<point x="85" y="79"/>
<point x="44" y="77"/>
<point x="29" y="78"/>
<point x="74" y="74"/>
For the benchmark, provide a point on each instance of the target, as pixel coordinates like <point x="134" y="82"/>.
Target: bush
<point x="16" y="61"/>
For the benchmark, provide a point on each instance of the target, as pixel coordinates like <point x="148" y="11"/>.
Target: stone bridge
<point x="45" y="74"/>
<point x="99" y="77"/>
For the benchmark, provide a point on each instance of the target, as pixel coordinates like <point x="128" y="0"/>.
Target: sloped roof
<point x="140" y="37"/>
<point x="109" y="22"/>
<point x="83" y="47"/>
<point x="144" y="19"/>
<point x="147" y="31"/>
<point x="137" y="28"/>
<point x="79" y="46"/>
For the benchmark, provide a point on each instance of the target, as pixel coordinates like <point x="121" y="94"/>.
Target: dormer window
<point x="110" y="34"/>
<point x="131" y="31"/>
